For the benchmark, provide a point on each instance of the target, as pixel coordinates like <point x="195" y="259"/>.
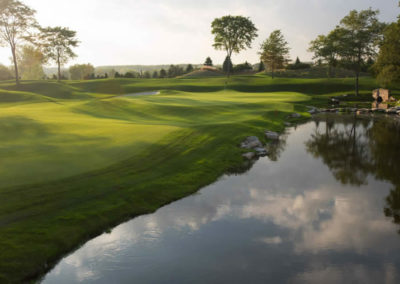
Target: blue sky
<point x="122" y="32"/>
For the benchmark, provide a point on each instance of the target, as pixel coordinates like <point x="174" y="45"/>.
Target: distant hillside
<point x="122" y="69"/>
<point x="138" y="68"/>
<point x="203" y="73"/>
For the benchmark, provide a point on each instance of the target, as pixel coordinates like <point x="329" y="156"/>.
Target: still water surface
<point x="322" y="209"/>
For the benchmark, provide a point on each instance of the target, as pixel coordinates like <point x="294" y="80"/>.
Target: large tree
<point x="233" y="34"/>
<point x="81" y="71"/>
<point x="16" y="20"/>
<point x="387" y="65"/>
<point x="208" y="62"/>
<point x="326" y="49"/>
<point x="57" y="44"/>
<point x="30" y="61"/>
<point x="360" y="34"/>
<point x="275" y="51"/>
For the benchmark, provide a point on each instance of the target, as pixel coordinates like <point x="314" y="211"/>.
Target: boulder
<point x="271" y="135"/>
<point x="391" y="110"/>
<point x="261" y="151"/>
<point x="313" y="111"/>
<point x="251" y="142"/>
<point x="295" y="115"/>
<point x="249" y="155"/>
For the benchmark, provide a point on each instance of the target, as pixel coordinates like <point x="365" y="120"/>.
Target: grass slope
<point x="78" y="159"/>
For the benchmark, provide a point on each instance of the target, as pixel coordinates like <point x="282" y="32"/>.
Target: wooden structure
<point x="382" y="95"/>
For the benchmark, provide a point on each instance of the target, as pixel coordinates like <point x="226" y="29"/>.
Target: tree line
<point x="360" y="42"/>
<point x="19" y="25"/>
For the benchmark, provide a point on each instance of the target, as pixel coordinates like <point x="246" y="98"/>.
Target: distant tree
<point x="5" y="73"/>
<point x="261" y="66"/>
<point x="361" y="32"/>
<point x="31" y="60"/>
<point x="189" y="68"/>
<point x="147" y="75"/>
<point x="208" y="62"/>
<point x="155" y="74"/>
<point x="81" y="72"/>
<point x="106" y="76"/>
<point x="227" y="66"/>
<point x="233" y="34"/>
<point x="57" y="44"/>
<point x="174" y="71"/>
<point x="163" y="73"/>
<point x="54" y="77"/>
<point x="298" y="65"/>
<point x="387" y="65"/>
<point x="130" y="74"/>
<point x="243" y="67"/>
<point x="274" y="51"/>
<point x="117" y="75"/>
<point x="16" y="20"/>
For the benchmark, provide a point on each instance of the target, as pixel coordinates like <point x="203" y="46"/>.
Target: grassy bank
<point x="78" y="158"/>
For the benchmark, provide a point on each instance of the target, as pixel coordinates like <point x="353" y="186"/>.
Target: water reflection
<point x="284" y="221"/>
<point x="354" y="148"/>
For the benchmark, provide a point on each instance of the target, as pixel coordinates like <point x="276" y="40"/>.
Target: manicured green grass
<point x="78" y="158"/>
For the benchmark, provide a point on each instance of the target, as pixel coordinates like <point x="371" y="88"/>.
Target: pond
<point x="324" y="207"/>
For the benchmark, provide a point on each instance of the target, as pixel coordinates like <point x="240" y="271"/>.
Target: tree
<point x="57" y="44"/>
<point x="227" y="65"/>
<point x="274" y="51"/>
<point x="243" y="67"/>
<point x="387" y="65"/>
<point x="360" y="34"/>
<point x="208" y="62"/>
<point x="16" y="20"/>
<point x="298" y="65"/>
<point x="326" y="49"/>
<point x="261" y="66"/>
<point x="174" y="71"/>
<point x="163" y="73"/>
<point x="155" y="74"/>
<point x="81" y="71"/>
<point x="146" y="75"/>
<point x="189" y="68"/>
<point x="233" y="34"/>
<point x="5" y="73"/>
<point x="31" y="60"/>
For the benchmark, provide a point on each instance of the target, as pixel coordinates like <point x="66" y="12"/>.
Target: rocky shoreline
<point x="392" y="110"/>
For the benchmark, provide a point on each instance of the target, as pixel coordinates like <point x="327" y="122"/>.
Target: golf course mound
<point x="203" y="73"/>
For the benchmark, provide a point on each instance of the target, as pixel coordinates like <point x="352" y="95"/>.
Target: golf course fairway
<point x="78" y="158"/>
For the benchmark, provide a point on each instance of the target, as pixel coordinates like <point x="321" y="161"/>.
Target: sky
<point x="151" y="32"/>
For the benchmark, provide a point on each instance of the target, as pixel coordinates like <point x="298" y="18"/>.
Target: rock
<point x="398" y="112"/>
<point x="249" y="155"/>
<point x="271" y="135"/>
<point x="295" y="115"/>
<point x="313" y="111"/>
<point x="391" y="111"/>
<point x="261" y="151"/>
<point x="288" y="124"/>
<point x="251" y="142"/>
<point x="335" y="101"/>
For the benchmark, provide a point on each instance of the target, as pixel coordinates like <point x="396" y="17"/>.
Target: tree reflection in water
<point x="354" y="147"/>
